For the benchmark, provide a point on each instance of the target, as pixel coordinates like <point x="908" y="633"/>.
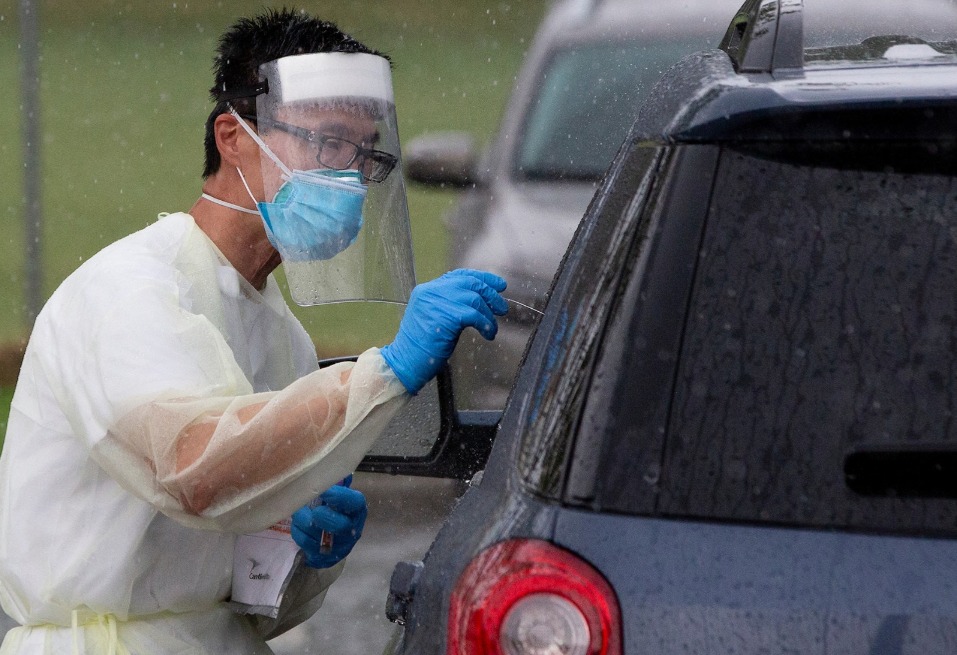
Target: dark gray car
<point x="589" y="67"/>
<point x="734" y="429"/>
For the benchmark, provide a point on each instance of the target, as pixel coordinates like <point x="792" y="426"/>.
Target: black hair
<point x="250" y="42"/>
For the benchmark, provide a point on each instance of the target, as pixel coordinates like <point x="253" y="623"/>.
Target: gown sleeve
<point x="138" y="376"/>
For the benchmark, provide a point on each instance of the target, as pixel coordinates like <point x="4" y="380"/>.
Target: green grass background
<point x="124" y="98"/>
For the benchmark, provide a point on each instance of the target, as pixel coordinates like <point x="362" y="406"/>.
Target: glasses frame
<point x="385" y="162"/>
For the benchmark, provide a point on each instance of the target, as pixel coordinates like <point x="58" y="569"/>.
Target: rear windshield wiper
<point x="927" y="470"/>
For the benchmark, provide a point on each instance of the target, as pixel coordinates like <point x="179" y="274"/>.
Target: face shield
<point x="335" y="205"/>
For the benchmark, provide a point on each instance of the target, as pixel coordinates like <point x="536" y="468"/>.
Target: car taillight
<point x="527" y="597"/>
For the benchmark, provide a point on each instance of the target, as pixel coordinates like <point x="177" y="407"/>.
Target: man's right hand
<point x="437" y="313"/>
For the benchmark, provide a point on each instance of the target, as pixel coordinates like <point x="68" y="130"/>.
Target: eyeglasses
<point x="337" y="153"/>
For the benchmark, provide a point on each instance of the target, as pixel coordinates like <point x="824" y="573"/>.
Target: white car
<point x="575" y="98"/>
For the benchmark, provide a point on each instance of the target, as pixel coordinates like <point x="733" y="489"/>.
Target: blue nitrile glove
<point x="342" y="515"/>
<point x="437" y="313"/>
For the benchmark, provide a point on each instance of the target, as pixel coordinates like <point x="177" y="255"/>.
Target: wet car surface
<point x="733" y="427"/>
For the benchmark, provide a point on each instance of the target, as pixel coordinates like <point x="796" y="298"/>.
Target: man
<point x="169" y="401"/>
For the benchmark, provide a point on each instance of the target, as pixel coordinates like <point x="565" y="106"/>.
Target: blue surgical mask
<point x="315" y="214"/>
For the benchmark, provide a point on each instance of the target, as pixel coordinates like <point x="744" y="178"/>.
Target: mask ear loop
<point x="230" y="205"/>
<point x="243" y="178"/>
<point x="287" y="174"/>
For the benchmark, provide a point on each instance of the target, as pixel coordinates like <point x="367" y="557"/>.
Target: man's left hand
<point x="342" y="515"/>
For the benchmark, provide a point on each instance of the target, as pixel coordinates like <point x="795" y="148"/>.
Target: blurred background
<point x="123" y="96"/>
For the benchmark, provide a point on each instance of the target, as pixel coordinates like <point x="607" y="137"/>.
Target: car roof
<point x="881" y="87"/>
<point x="703" y="99"/>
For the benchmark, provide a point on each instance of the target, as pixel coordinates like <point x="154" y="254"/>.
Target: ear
<point x="228" y="133"/>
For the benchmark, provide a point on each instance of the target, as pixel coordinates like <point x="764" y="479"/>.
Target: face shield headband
<point x="295" y="84"/>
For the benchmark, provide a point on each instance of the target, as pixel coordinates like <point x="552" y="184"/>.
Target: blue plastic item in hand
<point x="327" y="532"/>
<point x="437" y="313"/>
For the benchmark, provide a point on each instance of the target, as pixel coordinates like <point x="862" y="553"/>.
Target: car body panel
<point x="707" y="588"/>
<point x="718" y="106"/>
<point x="504" y="515"/>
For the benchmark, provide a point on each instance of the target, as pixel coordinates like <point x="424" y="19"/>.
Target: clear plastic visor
<point x="334" y="112"/>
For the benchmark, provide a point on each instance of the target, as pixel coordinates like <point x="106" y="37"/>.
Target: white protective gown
<point x="106" y="544"/>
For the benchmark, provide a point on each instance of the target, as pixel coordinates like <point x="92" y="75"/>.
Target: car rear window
<point x="823" y="318"/>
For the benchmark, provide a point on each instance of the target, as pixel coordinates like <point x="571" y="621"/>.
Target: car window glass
<point x="619" y="440"/>
<point x="562" y="353"/>
<point x="579" y="117"/>
<point x="816" y="325"/>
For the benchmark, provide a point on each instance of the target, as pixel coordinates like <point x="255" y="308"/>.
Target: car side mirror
<point x="428" y="437"/>
<point x="443" y="159"/>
